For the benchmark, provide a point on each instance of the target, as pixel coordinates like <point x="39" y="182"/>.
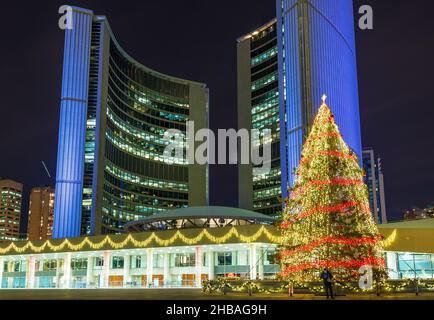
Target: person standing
<point x="327" y="278"/>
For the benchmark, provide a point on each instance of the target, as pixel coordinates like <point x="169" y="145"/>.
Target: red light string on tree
<point x="323" y="135"/>
<point x="335" y="182"/>
<point x="336" y="154"/>
<point x="327" y="209"/>
<point x="333" y="240"/>
<point x="370" y="261"/>
<point x="328" y="120"/>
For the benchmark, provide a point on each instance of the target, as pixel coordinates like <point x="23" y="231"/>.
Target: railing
<point x="224" y="286"/>
<point x="138" y="284"/>
<point x="20" y="283"/>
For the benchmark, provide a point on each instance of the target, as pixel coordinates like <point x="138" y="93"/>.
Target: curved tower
<point x="114" y="113"/>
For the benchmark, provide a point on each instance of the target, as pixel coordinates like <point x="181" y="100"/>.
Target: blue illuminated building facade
<point x="307" y="51"/>
<point x="317" y="55"/>
<point x="114" y="113"/>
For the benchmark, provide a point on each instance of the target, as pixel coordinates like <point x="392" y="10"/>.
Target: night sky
<point x="196" y="40"/>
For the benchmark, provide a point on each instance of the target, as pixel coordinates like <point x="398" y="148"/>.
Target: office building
<point x="114" y="113"/>
<point x="374" y="179"/>
<point x="258" y="108"/>
<point x="284" y="69"/>
<point x="41" y="214"/>
<point x="317" y="55"/>
<point x="10" y="209"/>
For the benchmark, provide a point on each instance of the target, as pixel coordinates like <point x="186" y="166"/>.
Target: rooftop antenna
<point x="46" y="169"/>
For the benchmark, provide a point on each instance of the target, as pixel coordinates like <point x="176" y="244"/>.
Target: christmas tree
<point x="327" y="222"/>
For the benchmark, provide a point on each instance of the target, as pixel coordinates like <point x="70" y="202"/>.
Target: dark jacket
<point x="327" y="277"/>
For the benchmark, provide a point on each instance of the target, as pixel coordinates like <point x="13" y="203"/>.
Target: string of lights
<point x="301" y="190"/>
<point x="338" y="154"/>
<point x="322" y="135"/>
<point x="325" y="209"/>
<point x="333" y="240"/>
<point x="382" y="285"/>
<point x="131" y="240"/>
<point x="66" y="244"/>
<point x="336" y="264"/>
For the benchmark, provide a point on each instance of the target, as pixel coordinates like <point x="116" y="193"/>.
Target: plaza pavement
<point x="178" y="294"/>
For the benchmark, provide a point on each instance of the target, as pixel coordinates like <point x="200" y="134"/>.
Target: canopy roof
<point x="410" y="236"/>
<point x="413" y="224"/>
<point x="194" y="213"/>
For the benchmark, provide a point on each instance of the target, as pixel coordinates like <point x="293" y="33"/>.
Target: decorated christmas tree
<point x="327" y="222"/>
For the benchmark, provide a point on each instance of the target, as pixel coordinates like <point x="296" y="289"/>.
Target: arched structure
<point x="199" y="217"/>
